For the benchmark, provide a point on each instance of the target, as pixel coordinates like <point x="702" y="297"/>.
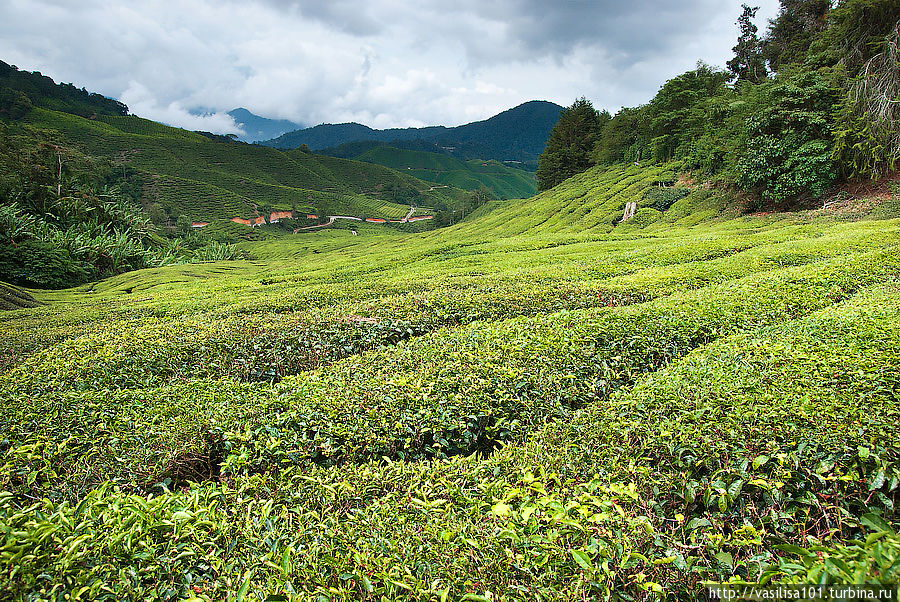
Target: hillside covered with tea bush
<point x="499" y="180"/>
<point x="87" y="190"/>
<point x="643" y="379"/>
<point x="572" y="407"/>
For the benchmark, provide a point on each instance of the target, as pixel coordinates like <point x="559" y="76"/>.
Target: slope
<point x="502" y="181"/>
<point x="188" y="174"/>
<point x="551" y="411"/>
<point x="592" y="201"/>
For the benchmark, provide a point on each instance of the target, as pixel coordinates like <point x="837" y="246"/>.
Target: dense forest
<point x="810" y="101"/>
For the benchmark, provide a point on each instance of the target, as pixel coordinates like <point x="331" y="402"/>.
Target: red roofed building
<point x="276" y="216"/>
<point x="240" y="220"/>
<point x="199" y="224"/>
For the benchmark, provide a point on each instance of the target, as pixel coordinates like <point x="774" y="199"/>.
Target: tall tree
<point x="867" y="129"/>
<point x="748" y="63"/>
<point x="793" y="30"/>
<point x="571" y="141"/>
<point x="860" y="29"/>
<point x="624" y="137"/>
<point x="674" y="111"/>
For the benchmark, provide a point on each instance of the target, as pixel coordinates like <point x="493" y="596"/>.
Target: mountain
<point x="327" y="134"/>
<point x="260" y="128"/>
<point x="515" y="135"/>
<point x="474" y="174"/>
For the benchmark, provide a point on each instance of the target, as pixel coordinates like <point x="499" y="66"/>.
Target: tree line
<point x="812" y="100"/>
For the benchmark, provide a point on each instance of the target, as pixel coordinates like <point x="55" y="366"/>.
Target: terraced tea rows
<point x="189" y="174"/>
<point x="537" y="403"/>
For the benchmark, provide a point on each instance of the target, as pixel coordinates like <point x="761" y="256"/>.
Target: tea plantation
<point x="501" y="180"/>
<point x="186" y="173"/>
<point x="537" y="403"/>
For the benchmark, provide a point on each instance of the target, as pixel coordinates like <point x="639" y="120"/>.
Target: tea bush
<point x="565" y="409"/>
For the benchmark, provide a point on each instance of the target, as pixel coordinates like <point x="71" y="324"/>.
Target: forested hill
<point x="518" y="134"/>
<point x="802" y="107"/>
<point x="20" y="90"/>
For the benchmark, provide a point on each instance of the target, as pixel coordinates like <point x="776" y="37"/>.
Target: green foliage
<point x="786" y="138"/>
<point x="793" y="30"/>
<point x="621" y="138"/>
<point x="41" y="264"/>
<point x="788" y="145"/>
<point x="675" y="110"/>
<point x="867" y="129"/>
<point x="571" y="141"/>
<point x="43" y="91"/>
<point x="670" y="125"/>
<point x="12" y="297"/>
<point x="68" y="217"/>
<point x="14" y="104"/>
<point x="502" y="181"/>
<point x="216" y="251"/>
<point x="858" y="30"/>
<point x="663" y="197"/>
<point x="647" y="412"/>
<point x="874" y="559"/>
<point x="64" y="215"/>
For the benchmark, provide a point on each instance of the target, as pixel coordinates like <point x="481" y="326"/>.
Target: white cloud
<point x="380" y="62"/>
<point x="142" y="102"/>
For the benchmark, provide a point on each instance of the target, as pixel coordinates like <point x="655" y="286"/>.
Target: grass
<point x="537" y="403"/>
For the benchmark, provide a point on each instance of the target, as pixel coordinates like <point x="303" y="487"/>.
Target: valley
<point x="553" y="354"/>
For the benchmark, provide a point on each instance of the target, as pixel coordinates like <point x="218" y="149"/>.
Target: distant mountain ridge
<point x="515" y="135"/>
<point x="258" y="128"/>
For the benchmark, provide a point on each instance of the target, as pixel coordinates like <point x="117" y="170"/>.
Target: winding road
<point x="332" y="218"/>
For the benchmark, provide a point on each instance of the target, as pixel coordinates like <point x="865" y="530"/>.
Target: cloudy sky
<point x="384" y="63"/>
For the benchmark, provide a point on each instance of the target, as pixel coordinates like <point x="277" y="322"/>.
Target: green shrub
<point x="39" y="264"/>
<point x="663" y="197"/>
<point x="787" y="151"/>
